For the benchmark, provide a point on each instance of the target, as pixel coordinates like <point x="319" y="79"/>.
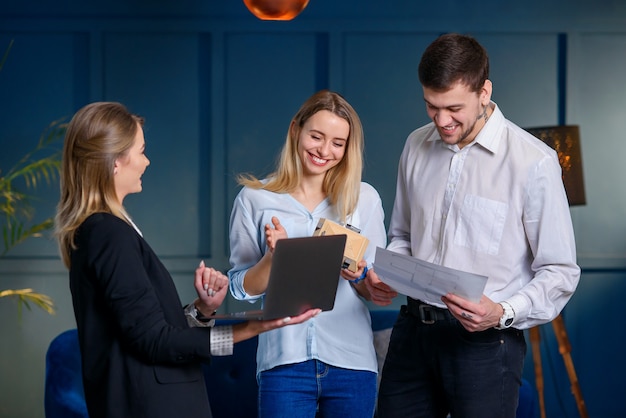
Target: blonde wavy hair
<point x="97" y="135"/>
<point x="342" y="183"/>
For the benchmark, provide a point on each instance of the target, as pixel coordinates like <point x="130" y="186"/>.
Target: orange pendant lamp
<point x="276" y="9"/>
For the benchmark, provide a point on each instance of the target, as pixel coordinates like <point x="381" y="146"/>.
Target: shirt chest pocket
<point x="481" y="224"/>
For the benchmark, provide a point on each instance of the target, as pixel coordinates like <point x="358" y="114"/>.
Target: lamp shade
<point x="565" y="140"/>
<point x="276" y="9"/>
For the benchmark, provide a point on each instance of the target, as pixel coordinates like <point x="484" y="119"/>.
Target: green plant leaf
<point x="41" y="164"/>
<point x="15" y="205"/>
<point x="24" y="296"/>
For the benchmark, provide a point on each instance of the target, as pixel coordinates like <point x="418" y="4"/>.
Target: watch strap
<point x="361" y="278"/>
<point x="508" y="316"/>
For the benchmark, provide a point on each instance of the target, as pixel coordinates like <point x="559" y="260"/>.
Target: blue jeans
<point x="439" y="368"/>
<point x="303" y="389"/>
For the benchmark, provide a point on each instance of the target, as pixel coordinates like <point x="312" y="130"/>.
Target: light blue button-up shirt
<point x="341" y="337"/>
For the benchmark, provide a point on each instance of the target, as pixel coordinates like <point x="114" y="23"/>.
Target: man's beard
<point x="463" y="135"/>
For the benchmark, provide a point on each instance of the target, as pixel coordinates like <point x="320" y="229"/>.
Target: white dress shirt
<point x="497" y="207"/>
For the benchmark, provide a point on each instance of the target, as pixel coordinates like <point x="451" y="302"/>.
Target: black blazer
<point x="139" y="356"/>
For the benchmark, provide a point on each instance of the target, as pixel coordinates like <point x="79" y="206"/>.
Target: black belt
<point x="426" y="313"/>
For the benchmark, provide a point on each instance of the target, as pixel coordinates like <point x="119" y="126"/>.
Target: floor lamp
<point x="565" y="140"/>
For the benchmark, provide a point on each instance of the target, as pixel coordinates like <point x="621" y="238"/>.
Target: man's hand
<point x="380" y="292"/>
<point x="474" y="316"/>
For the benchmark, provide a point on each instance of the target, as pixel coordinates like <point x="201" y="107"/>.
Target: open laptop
<point x="304" y="275"/>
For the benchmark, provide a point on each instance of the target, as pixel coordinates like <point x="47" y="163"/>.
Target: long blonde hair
<point x="342" y="183"/>
<point x="97" y="135"/>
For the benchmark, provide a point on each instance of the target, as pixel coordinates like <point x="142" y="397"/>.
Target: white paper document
<point x="426" y="281"/>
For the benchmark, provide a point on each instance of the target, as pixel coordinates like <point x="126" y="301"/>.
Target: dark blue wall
<point x="218" y="88"/>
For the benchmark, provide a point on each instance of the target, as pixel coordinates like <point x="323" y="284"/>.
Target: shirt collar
<point x="133" y="224"/>
<point x="488" y="136"/>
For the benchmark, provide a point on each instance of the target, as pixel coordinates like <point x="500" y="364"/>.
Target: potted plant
<point x="41" y="164"/>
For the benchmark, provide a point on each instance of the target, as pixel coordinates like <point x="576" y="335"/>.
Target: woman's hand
<point x="256" y="278"/>
<point x="211" y="287"/>
<point x="250" y="329"/>
<point x="351" y="276"/>
<point x="273" y="234"/>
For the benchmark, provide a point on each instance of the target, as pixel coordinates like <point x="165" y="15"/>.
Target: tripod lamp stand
<point x="565" y="140"/>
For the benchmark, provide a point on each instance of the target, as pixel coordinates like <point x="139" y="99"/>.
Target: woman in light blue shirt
<point x="327" y="364"/>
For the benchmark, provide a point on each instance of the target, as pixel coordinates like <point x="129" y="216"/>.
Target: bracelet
<point x="359" y="279"/>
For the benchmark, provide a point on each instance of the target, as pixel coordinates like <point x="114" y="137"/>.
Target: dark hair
<point x="452" y="58"/>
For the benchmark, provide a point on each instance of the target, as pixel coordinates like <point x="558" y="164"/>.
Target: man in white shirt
<point x="476" y="193"/>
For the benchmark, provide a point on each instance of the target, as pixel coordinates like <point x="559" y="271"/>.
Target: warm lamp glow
<point x="565" y="140"/>
<point x="276" y="9"/>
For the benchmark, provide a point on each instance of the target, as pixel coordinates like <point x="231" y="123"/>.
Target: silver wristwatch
<point x="506" y="320"/>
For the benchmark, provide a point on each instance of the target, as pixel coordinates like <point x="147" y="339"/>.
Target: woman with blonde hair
<point x="327" y="365"/>
<point x="141" y="350"/>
